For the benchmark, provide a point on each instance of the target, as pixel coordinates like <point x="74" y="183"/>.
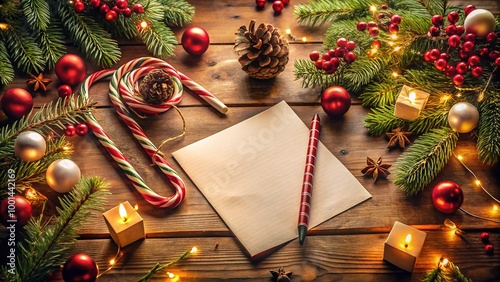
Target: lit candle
<point x="397" y="247"/>
<point x="407" y="240"/>
<point x="410" y="102"/>
<point x="124" y="223"/>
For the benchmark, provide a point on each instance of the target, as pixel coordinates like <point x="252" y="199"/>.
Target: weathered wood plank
<point x="322" y="258"/>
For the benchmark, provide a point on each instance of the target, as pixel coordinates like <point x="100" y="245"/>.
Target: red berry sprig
<point x="330" y="61"/>
<point x="110" y="9"/>
<point x="72" y="130"/>
<point x="466" y="49"/>
<point x="385" y="21"/>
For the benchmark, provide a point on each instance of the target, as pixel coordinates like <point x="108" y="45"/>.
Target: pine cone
<point x="156" y="87"/>
<point x="264" y="52"/>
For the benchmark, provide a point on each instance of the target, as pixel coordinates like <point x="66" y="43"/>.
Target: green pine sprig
<point x="177" y="13"/>
<point x="488" y="144"/>
<point x="6" y="68"/>
<point x="37" y="256"/>
<point x="37" y="13"/>
<point x="447" y="272"/>
<point x="421" y="163"/>
<point x="159" y="267"/>
<point x="160" y="40"/>
<point x="322" y="11"/>
<point x="381" y="120"/>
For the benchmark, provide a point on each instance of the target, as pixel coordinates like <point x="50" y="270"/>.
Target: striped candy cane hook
<point x="121" y="91"/>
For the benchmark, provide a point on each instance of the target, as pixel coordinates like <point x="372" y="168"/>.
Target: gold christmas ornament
<point x="63" y="175"/>
<point x="263" y="51"/>
<point x="481" y="22"/>
<point x="30" y="146"/>
<point x="463" y="117"/>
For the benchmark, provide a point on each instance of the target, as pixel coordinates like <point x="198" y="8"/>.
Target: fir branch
<point x="159" y="39"/>
<point x="363" y="71"/>
<point x="50" y="117"/>
<point x="52" y="43"/>
<point x="177" y="13"/>
<point x="321" y="11"/>
<point x="380" y="94"/>
<point x="23" y="49"/>
<point x="37" y="13"/>
<point x="488" y="144"/>
<point x="430" y="118"/>
<point x="159" y="267"/>
<point x="39" y="255"/>
<point x="92" y="40"/>
<point x="421" y="163"/>
<point x="31" y="172"/>
<point x="312" y="77"/>
<point x="381" y="120"/>
<point x="445" y="272"/>
<point x="6" y="68"/>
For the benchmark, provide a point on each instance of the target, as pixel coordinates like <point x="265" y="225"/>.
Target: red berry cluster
<point x="488" y="247"/>
<point x="330" y="60"/>
<point x="110" y="9"/>
<point x="72" y="130"/>
<point x="385" y="20"/>
<point x="467" y="46"/>
<point x="278" y="6"/>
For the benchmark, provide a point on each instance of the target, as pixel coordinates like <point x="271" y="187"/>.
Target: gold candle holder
<point x="410" y="103"/>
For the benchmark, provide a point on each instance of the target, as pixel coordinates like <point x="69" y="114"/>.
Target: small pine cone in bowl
<point x="263" y="51"/>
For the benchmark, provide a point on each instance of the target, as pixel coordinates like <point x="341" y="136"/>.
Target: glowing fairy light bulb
<point x="143" y="24"/>
<point x="288" y="31"/>
<point x="304" y="39"/>
<point x="194" y="250"/>
<point x="477" y="182"/>
<point x="394" y="36"/>
<point x="170" y="275"/>
<point x="395" y="74"/>
<point x="373" y="8"/>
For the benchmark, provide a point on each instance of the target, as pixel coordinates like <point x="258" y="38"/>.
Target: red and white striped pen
<point x="307" y="183"/>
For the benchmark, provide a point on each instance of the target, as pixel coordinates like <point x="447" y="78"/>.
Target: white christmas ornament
<point x="63" y="175"/>
<point x="30" y="146"/>
<point x="480" y="22"/>
<point x="463" y="117"/>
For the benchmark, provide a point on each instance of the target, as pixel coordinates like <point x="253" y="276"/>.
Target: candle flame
<point x="136" y="207"/>
<point x="407" y="241"/>
<point x="123" y="212"/>
<point x="412" y="96"/>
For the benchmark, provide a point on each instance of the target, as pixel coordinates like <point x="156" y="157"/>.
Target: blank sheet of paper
<point x="251" y="173"/>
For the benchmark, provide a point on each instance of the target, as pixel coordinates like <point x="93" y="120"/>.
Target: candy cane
<point x="122" y="90"/>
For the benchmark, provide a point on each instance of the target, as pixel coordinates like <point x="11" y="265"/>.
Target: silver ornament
<point x="63" y="175"/>
<point x="480" y="22"/>
<point x="30" y="146"/>
<point x="463" y="117"/>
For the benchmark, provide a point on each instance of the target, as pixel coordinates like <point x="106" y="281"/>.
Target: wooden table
<point x="348" y="247"/>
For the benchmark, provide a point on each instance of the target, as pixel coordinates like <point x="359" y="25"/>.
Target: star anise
<point x="281" y="275"/>
<point x="38" y="82"/>
<point x="398" y="137"/>
<point x="376" y="169"/>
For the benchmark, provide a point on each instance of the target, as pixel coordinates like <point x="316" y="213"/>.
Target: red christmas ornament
<point x="16" y="208"/>
<point x="16" y="103"/>
<point x="485" y="237"/>
<point x="80" y="268"/>
<point x="81" y="129"/>
<point x="335" y="101"/>
<point x="447" y="197"/>
<point x="260" y="3"/>
<point x="278" y="6"/>
<point x="71" y="69"/>
<point x="489" y="249"/>
<point x="195" y="41"/>
<point x="64" y="91"/>
<point x="70" y="130"/>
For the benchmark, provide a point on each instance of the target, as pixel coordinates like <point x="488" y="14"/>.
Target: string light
<point x="373" y="8"/>
<point x="304" y="39"/>
<point x="397" y="48"/>
<point x="495" y="208"/>
<point x="391" y="43"/>
<point x="4" y="26"/>
<point x="292" y="37"/>
<point x="193" y="250"/>
<point x="395" y="74"/>
<point x="443" y="262"/>
<point x="170" y="275"/>
<point x="394" y="36"/>
<point x="112" y="262"/>
<point x="143" y="24"/>
<point x="450" y="224"/>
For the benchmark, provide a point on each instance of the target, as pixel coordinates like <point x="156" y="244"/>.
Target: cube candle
<point x="410" y="103"/>
<point x="403" y="246"/>
<point x="125" y="226"/>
